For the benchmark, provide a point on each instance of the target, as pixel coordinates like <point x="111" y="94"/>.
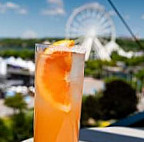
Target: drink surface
<point x="59" y="82"/>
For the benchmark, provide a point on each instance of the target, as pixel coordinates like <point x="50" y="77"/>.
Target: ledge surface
<point x="109" y="134"/>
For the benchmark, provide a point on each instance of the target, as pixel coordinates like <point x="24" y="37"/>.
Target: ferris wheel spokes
<point x="93" y="28"/>
<point x="87" y="44"/>
<point x="101" y="50"/>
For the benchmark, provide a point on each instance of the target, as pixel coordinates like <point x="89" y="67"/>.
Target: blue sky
<point x="47" y="18"/>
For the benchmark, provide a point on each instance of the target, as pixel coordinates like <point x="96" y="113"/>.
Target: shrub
<point x="22" y="120"/>
<point x="140" y="74"/>
<point x="5" y="135"/>
<point x="116" y="57"/>
<point x="94" y="67"/>
<point x="16" y="102"/>
<point x="21" y="127"/>
<point x="90" y="109"/>
<point x="25" y="54"/>
<point x="118" y="100"/>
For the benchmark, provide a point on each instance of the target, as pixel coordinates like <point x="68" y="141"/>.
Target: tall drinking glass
<point x="59" y="83"/>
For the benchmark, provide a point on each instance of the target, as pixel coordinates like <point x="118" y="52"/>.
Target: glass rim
<point x="77" y="49"/>
<point x="42" y="45"/>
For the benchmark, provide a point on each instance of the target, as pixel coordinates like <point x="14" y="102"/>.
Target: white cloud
<point x="112" y="13"/>
<point x="127" y="17"/>
<point x="58" y="2"/>
<point x="22" y="11"/>
<point x="56" y="11"/>
<point x="29" y="34"/>
<point x="142" y="17"/>
<point x="4" y="7"/>
<point x="55" y="7"/>
<point x="11" y="5"/>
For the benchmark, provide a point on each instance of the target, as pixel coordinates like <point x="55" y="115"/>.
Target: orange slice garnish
<point x="61" y="43"/>
<point x="66" y="42"/>
<point x="52" y="78"/>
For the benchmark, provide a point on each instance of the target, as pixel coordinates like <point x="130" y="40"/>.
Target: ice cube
<point x="77" y="69"/>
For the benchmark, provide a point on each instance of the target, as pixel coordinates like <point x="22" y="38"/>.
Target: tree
<point x="116" y="57"/>
<point x="119" y="100"/>
<point x="21" y="127"/>
<point x="4" y="132"/>
<point x="16" y="102"/>
<point x="140" y="77"/>
<point x="91" y="108"/>
<point x="94" y="67"/>
<point x="21" y="123"/>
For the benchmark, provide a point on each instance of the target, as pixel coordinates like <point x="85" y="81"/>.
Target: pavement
<point x="4" y="110"/>
<point x="109" y="134"/>
<point x="140" y="105"/>
<point x="91" y="86"/>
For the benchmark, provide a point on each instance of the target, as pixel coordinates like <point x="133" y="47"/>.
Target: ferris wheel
<point x="92" y="27"/>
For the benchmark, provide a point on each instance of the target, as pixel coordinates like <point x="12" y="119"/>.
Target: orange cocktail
<point x="59" y="83"/>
